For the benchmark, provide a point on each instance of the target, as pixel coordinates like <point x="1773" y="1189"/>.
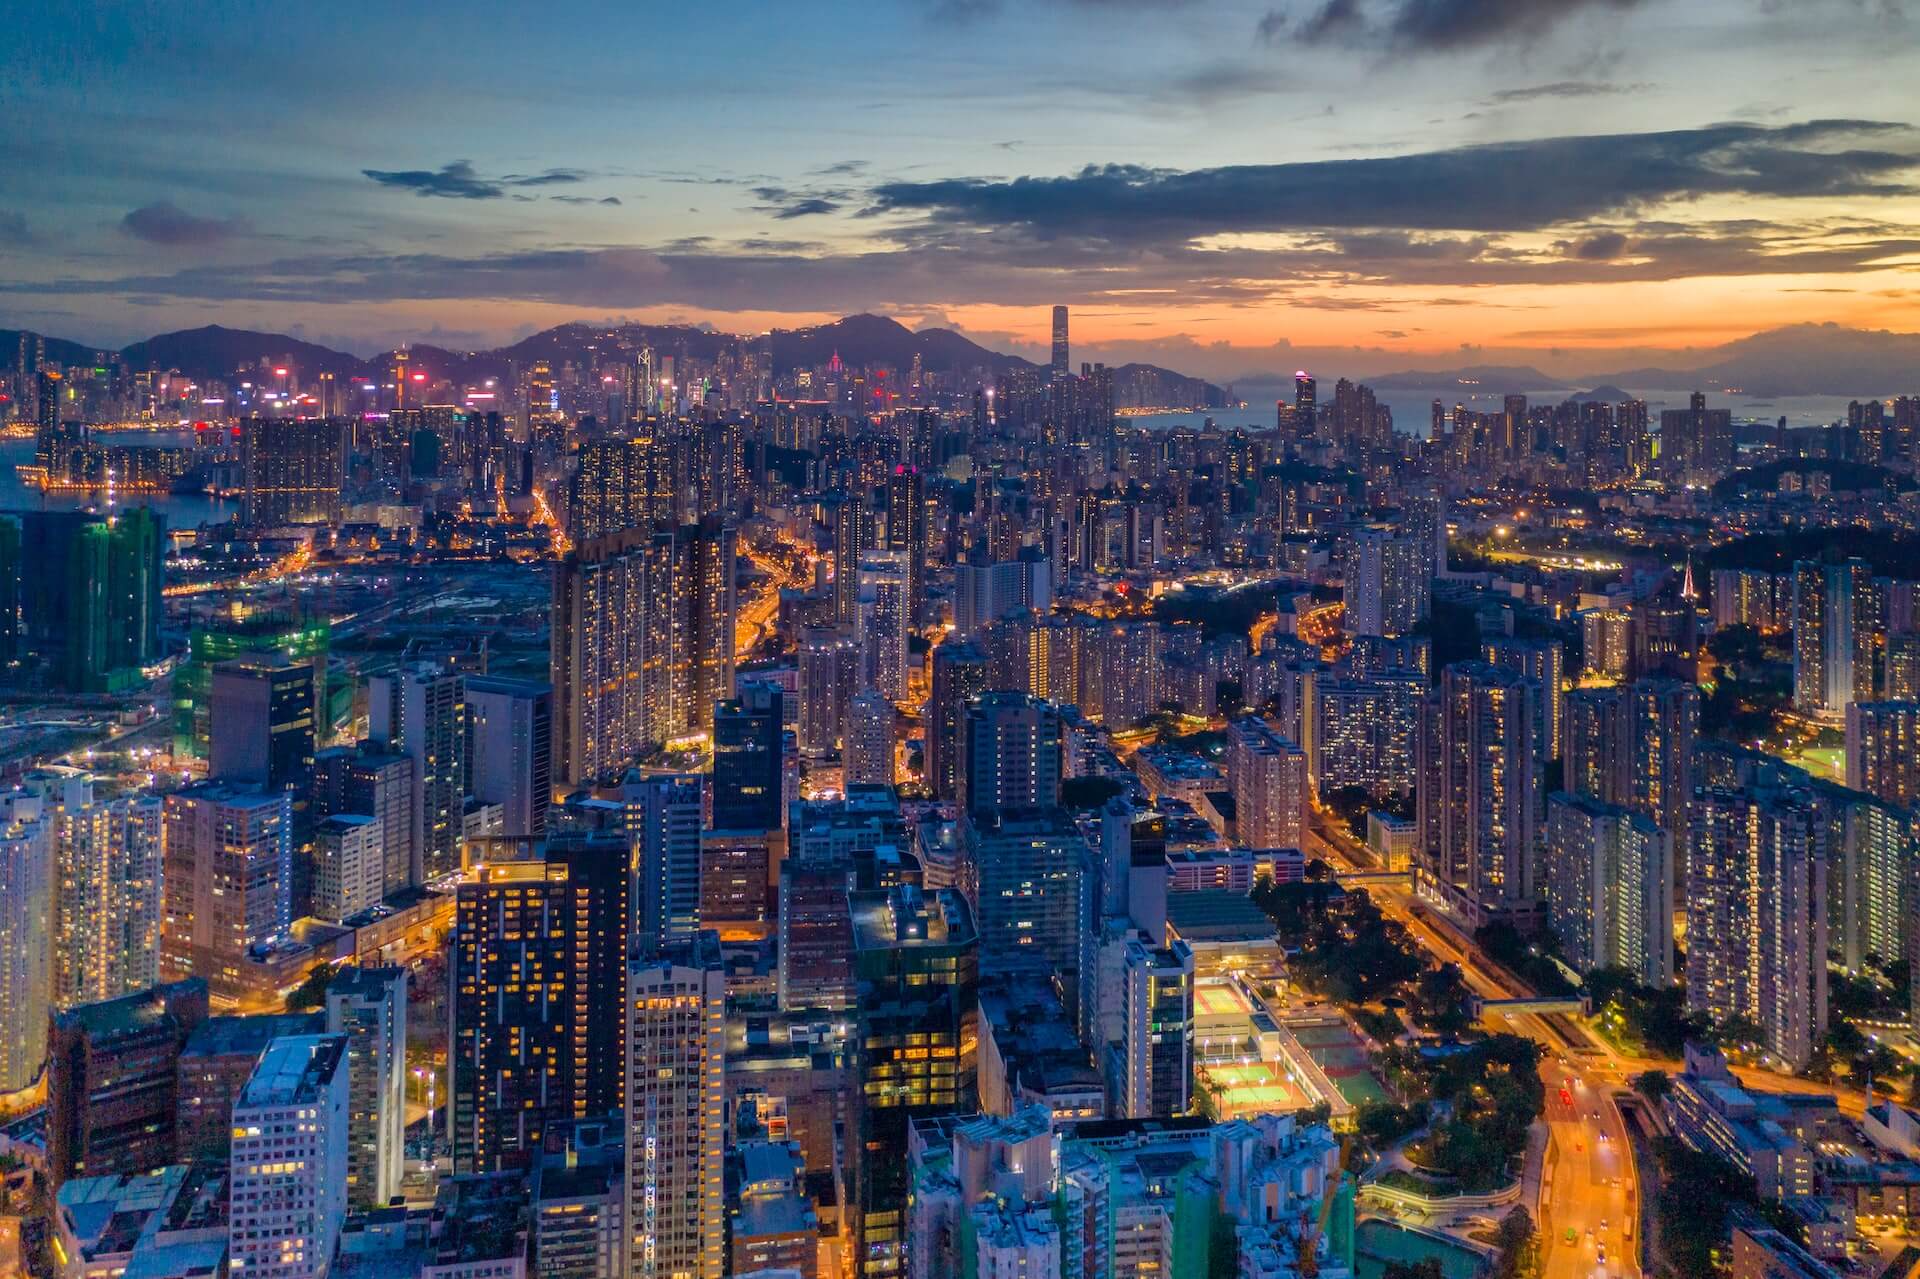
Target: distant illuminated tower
<point x="959" y="673"/>
<point x="1541" y="661"/>
<point x="1883" y="750"/>
<point x="1608" y="880"/>
<point x="1388" y="582"/>
<point x="1061" y="351"/>
<point x="1479" y="791"/>
<point x="1268" y="776"/>
<point x="883" y="623"/>
<point x="907" y="534"/>
<point x="1837" y="616"/>
<point x="1304" y="419"/>
<point x="829" y="665"/>
<point x="1011" y="753"/>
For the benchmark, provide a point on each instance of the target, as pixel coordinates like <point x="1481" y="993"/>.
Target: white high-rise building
<point x="663" y="816"/>
<point x="1388" y="581"/>
<point x="228" y="884"/>
<point x="1838" y="614"/>
<point x="676" y="1113"/>
<point x="289" y="1161"/>
<point x="369" y="1007"/>
<point x="349" y="866"/>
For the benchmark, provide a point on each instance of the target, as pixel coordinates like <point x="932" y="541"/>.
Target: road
<point x="1588" y="1184"/>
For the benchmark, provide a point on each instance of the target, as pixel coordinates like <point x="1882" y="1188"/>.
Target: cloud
<point x="458" y="181"/>
<point x="1412" y="26"/>
<point x="1508" y="186"/>
<point x="784" y="203"/>
<point x="1563" y="89"/>
<point x="165" y="223"/>
<point x="807" y="208"/>
<point x="586" y="199"/>
<point x="1602" y="247"/>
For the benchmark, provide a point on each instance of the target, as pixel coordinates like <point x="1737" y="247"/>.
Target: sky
<point x="1223" y="186"/>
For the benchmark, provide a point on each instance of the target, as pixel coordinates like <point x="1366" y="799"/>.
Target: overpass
<point x="1398" y="878"/>
<point x="1539" y="1004"/>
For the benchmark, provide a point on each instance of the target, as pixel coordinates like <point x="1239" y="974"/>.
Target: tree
<point x="1519" y="1256"/>
<point x="1427" y="1268"/>
<point x="1654" y="1085"/>
<point x="312" y="992"/>
<point x="1438" y="1001"/>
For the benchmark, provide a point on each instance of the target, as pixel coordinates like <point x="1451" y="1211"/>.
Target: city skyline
<point x="1223" y="188"/>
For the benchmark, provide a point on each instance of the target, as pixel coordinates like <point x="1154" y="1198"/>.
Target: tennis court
<point x="1221" y="1000"/>
<point x="1254" y="1089"/>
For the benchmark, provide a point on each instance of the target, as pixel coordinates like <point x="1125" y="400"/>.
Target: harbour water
<point x="188" y="510"/>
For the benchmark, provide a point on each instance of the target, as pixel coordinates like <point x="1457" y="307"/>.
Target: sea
<point x="180" y="510"/>
<point x="1413" y="407"/>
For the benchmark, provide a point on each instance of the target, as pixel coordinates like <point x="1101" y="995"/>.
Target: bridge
<point x="1542" y="1005"/>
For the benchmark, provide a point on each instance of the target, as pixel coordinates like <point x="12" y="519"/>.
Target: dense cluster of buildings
<point x="857" y="881"/>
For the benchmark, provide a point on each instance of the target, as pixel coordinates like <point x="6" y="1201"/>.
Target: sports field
<point x="1216" y="1000"/>
<point x="1255" y="1089"/>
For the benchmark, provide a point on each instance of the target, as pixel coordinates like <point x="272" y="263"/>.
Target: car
<point x="1571" y="1236"/>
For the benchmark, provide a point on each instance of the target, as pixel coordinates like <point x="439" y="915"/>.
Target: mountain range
<point x="859" y="340"/>
<point x="1801" y="359"/>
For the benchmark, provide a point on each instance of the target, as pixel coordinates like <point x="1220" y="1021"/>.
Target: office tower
<point x="536" y="973"/>
<point x="1542" y="662"/>
<point x="368" y="1006"/>
<point x="868" y="757"/>
<point x="829" y="663"/>
<point x="736" y="881"/>
<point x="882" y="624"/>
<point x="1883" y="750"/>
<point x="1608" y="881"/>
<point x="107" y="872"/>
<point x="289" y="1161"/>
<point x="1061" y="351"/>
<point x="676" y="1027"/>
<point x="1479" y="791"/>
<point x="218" y="1059"/>
<point x="1757" y="917"/>
<point x="907" y="532"/>
<point x="112" y="1080"/>
<point x="349" y="866"/>
<point x="420" y="711"/>
<point x="1011" y="753"/>
<point x="228" y="883"/>
<point x="1268" y="777"/>
<point x="264" y="722"/>
<point x="293" y="469"/>
<point x="370" y="783"/>
<point x="510" y="749"/>
<point x="1837" y="625"/>
<point x="28" y="837"/>
<point x="959" y="674"/>
<point x="1305" y="420"/>
<point x="1366" y="732"/>
<point x="916" y="959"/>
<point x="661" y="813"/>
<point x="1157" y="1015"/>
<point x="852" y="537"/>
<point x="1030" y="875"/>
<point x="749" y="766"/>
<point x="1388" y="578"/>
<point x="612" y="490"/>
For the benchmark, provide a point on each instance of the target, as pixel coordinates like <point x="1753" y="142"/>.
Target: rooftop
<point x="293" y="1070"/>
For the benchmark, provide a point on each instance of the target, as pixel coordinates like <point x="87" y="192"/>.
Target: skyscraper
<point x="536" y="971"/>
<point x="1305" y="418"/>
<point x="907" y="532"/>
<point x="371" y="783"/>
<point x="113" y="1081"/>
<point x="85" y="590"/>
<point x="264" y="722"/>
<point x="228" y="883"/>
<point x="748" y="758"/>
<point x="829" y="672"/>
<point x="1268" y="777"/>
<point x="1061" y="350"/>
<point x="294" y="468"/>
<point x="27" y="843"/>
<point x="106" y="904"/>
<point x="1542" y="661"/>
<point x="882" y="622"/>
<point x="916" y="958"/>
<point x="1388" y="580"/>
<point x="1157" y="1013"/>
<point x="368" y="1007"/>
<point x="510" y="749"/>
<point x="662" y="816"/>
<point x="868" y="757"/>
<point x="1035" y="888"/>
<point x="676" y="1112"/>
<point x="959" y="674"/>
<point x="1608" y="881"/>
<point x="420" y="711"/>
<point x="612" y="490"/>
<point x="1838" y="620"/>
<point x="1757" y="917"/>
<point x="1011" y="753"/>
<point x="852" y="538"/>
<point x="1883" y="750"/>
<point x="289" y="1160"/>
<point x="1479" y="792"/>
